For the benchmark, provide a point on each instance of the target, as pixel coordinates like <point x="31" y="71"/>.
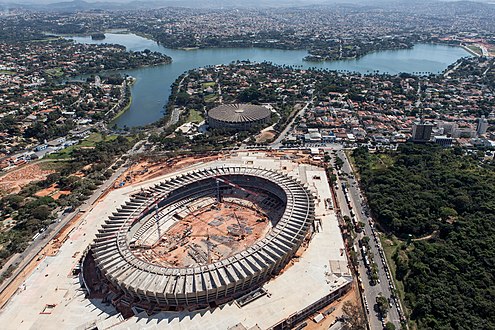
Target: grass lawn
<point x="208" y="84"/>
<point x="56" y="72"/>
<point x="475" y="49"/>
<point x="94" y="138"/>
<point x="90" y="141"/>
<point x="52" y="165"/>
<point x="210" y="98"/>
<point x="194" y="116"/>
<point x="7" y="72"/>
<point x="383" y="162"/>
<point x="390" y="245"/>
<point x="47" y="39"/>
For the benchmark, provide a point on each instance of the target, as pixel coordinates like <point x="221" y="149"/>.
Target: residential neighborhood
<point x="373" y="110"/>
<point x="52" y="97"/>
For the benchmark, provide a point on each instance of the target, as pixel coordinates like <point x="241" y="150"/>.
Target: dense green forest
<point x="448" y="278"/>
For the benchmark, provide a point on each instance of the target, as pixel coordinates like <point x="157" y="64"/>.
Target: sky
<point x="190" y="3"/>
<point x="175" y="1"/>
<point x="39" y="2"/>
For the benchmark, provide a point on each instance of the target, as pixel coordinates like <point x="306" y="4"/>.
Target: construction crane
<point x="241" y="226"/>
<point x="219" y="197"/>
<point x="208" y="252"/>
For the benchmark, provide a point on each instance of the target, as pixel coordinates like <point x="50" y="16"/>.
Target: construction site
<point x="245" y="241"/>
<point x="211" y="232"/>
<point x="153" y="249"/>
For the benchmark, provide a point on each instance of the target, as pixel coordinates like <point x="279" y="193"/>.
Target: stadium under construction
<point x="140" y="244"/>
<point x="248" y="241"/>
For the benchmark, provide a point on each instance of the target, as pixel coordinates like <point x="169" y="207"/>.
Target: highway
<point x="385" y="284"/>
<point x="484" y="50"/>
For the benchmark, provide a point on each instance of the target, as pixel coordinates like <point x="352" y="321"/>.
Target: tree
<point x="182" y="98"/>
<point x="389" y="326"/>
<point x="338" y="162"/>
<point x="353" y="317"/>
<point x="447" y="212"/>
<point x="14" y="201"/>
<point x="417" y="190"/>
<point x="42" y="212"/>
<point x="382" y="305"/>
<point x="250" y="94"/>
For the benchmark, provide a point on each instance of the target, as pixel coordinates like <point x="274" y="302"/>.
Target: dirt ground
<point x="141" y="171"/>
<point x="265" y="136"/>
<point x="15" y="180"/>
<point x="209" y="234"/>
<point x="53" y="192"/>
<point x="52" y="248"/>
<point x="149" y="169"/>
<point x="330" y="319"/>
<point x="32" y="172"/>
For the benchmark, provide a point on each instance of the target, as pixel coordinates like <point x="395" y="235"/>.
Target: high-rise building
<point x="448" y="127"/>
<point x="482" y="125"/>
<point x="421" y="132"/>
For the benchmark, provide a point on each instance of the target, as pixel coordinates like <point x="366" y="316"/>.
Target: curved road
<point x="283" y="134"/>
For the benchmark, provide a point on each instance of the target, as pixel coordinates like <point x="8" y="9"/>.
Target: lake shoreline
<point x="153" y="86"/>
<point x="122" y="111"/>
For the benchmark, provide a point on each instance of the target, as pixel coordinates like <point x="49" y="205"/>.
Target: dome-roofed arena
<point x="203" y="238"/>
<point x="238" y="116"/>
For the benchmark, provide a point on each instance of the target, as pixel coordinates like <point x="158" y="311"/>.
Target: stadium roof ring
<point x="213" y="283"/>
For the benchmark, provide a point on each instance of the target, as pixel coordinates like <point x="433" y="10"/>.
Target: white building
<point x="482" y="125"/>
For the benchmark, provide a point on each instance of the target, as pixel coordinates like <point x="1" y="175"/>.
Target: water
<point x="152" y="88"/>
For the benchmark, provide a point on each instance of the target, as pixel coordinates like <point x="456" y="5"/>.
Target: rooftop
<point x="321" y="269"/>
<point x="237" y="113"/>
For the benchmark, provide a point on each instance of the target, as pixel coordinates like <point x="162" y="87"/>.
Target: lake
<point x="152" y="88"/>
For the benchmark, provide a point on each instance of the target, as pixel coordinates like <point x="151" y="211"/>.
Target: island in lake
<point x="98" y="36"/>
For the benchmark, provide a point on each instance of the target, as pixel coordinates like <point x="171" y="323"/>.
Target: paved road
<point x="283" y="134"/>
<point x="484" y="50"/>
<point x="24" y="258"/>
<point x="175" y="115"/>
<point x="385" y="283"/>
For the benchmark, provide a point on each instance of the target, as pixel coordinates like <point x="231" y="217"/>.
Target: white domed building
<point x="238" y="116"/>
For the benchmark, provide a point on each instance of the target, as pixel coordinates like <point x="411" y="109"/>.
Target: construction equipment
<point x="207" y="241"/>
<point x="219" y="197"/>
<point x="241" y="226"/>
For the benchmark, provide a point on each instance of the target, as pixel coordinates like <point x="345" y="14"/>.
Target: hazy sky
<point x="215" y="1"/>
<point x="177" y="1"/>
<point x="205" y="3"/>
